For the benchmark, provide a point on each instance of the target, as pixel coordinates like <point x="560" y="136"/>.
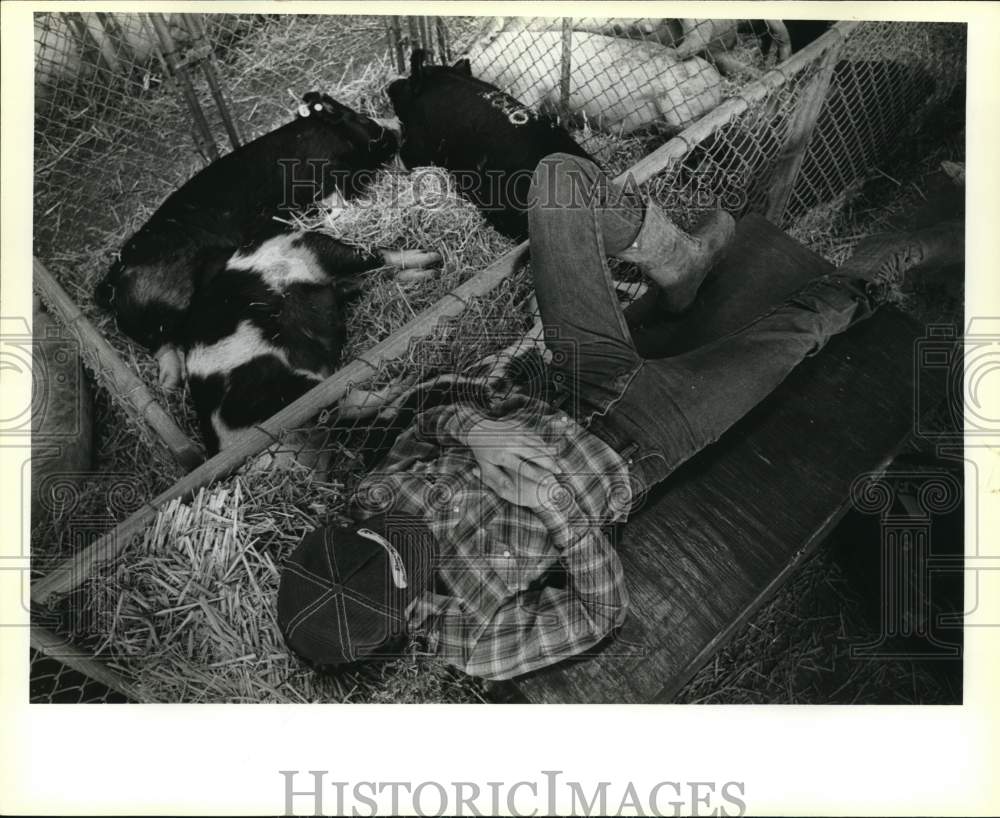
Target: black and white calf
<point x="328" y="148"/>
<point x="270" y="325"/>
<point x="486" y="138"/>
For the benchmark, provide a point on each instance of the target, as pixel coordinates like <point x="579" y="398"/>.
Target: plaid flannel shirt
<point x="493" y="613"/>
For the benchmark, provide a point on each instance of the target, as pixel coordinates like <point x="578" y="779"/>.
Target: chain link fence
<point x="888" y="79"/>
<point x="52" y="682"/>
<point x="617" y="76"/>
<point x="128" y="106"/>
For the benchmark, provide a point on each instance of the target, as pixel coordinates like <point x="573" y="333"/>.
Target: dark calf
<point x="327" y="148"/>
<point x="270" y="325"/>
<point x="803" y="32"/>
<point x="785" y="37"/>
<point x="489" y="140"/>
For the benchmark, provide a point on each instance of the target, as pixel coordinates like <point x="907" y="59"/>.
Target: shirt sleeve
<point x="451" y="426"/>
<point x="502" y="635"/>
<point x="435" y="430"/>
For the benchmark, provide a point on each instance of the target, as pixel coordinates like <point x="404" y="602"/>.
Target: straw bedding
<point x="189" y="612"/>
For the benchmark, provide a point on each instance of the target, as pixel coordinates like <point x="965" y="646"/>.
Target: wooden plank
<point x="721" y="532"/>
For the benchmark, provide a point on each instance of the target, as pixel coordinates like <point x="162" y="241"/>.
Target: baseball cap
<point x="344" y="590"/>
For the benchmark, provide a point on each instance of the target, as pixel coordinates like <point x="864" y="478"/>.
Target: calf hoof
<point x="410" y="259"/>
<point x="361" y="403"/>
<point x="171" y="367"/>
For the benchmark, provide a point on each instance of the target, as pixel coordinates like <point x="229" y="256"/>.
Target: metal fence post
<point x="202" y="133"/>
<point x="800" y="131"/>
<point x="566" y="66"/>
<point x="414" y="29"/>
<point x="426" y="40"/>
<point x="123" y="49"/>
<point x="442" y="38"/>
<point x="206" y="52"/>
<point x="395" y="35"/>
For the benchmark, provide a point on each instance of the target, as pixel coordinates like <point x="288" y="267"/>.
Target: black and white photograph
<point x="454" y="358"/>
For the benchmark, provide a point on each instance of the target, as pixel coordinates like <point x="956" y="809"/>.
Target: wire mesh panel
<point x="52" y="682"/>
<point x="617" y="75"/>
<point x="888" y="79"/>
<point x="100" y="104"/>
<point x="111" y="138"/>
<point x="629" y="77"/>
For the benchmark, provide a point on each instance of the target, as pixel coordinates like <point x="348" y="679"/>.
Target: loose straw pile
<point x="190" y="612"/>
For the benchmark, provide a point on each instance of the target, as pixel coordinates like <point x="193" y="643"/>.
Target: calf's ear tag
<point x="303" y="110"/>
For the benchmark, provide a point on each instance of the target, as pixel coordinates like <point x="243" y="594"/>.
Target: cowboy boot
<point x="886" y="260"/>
<point x="676" y="261"/>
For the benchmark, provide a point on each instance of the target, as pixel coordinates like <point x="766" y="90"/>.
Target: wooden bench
<point x="727" y="528"/>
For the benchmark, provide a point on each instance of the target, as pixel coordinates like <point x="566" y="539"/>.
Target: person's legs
<point x="674" y="407"/>
<point x="571" y="236"/>
<point x="577" y="218"/>
<point x="669" y="408"/>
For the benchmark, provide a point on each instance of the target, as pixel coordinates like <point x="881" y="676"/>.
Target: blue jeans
<point x="660" y="412"/>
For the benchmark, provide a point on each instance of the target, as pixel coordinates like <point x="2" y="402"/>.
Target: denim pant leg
<point x="665" y="409"/>
<point x="674" y="407"/>
<point x="576" y="218"/>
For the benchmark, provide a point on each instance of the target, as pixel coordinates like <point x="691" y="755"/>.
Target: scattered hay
<point x="418" y="210"/>
<point x="188" y="614"/>
<point x="822" y="229"/>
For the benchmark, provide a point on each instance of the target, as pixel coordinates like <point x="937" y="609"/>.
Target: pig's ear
<point x="463" y="66"/>
<point x="417" y="69"/>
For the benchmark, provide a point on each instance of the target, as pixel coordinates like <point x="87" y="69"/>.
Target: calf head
<point x="373" y="143"/>
<point x="403" y="92"/>
<point x="430" y="92"/>
<point x="146" y="313"/>
<point x="149" y="288"/>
